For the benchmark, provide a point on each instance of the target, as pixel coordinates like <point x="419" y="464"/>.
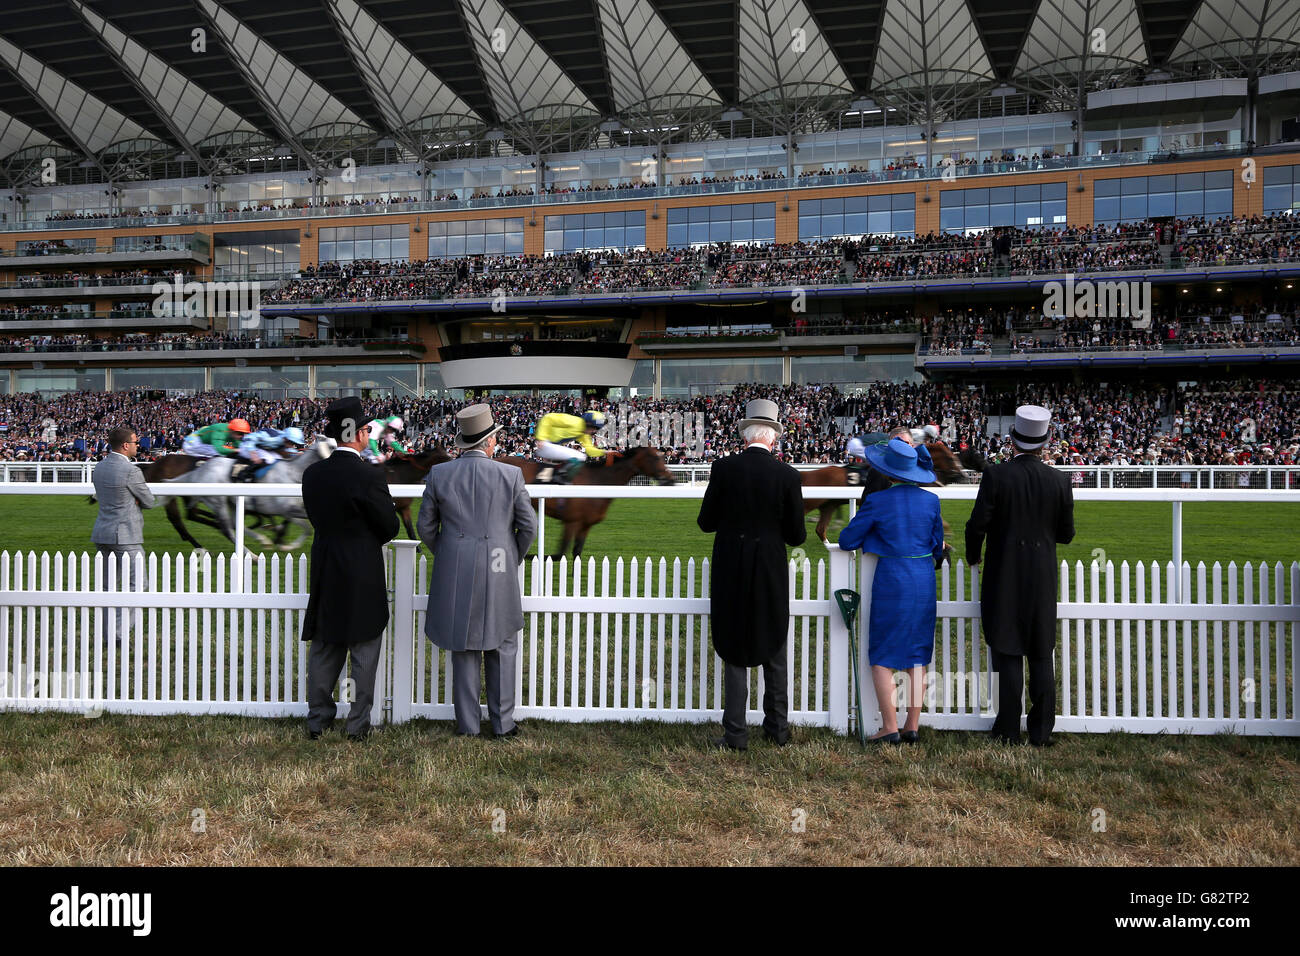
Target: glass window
<point x="1162" y="204"/>
<point x="1218" y="202"/>
<point x="1105" y="187"/>
<point x="1279" y="194"/>
<point x="1105" y="210"/>
<point x="685" y="377"/>
<point x="1276" y="175"/>
<point x="852" y="369"/>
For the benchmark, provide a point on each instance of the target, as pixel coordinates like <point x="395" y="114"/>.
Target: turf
<point x="1124" y="531"/>
<point x="219" y="791"/>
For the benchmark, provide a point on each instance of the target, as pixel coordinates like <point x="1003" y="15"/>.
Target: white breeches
<point x="553" y="452"/>
<point x="197" y="449"/>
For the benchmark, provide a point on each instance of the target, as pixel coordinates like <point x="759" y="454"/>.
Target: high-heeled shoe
<point x="885" y="739"/>
<point x="909" y="736"/>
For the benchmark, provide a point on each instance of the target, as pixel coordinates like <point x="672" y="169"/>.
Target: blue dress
<point x="903" y="525"/>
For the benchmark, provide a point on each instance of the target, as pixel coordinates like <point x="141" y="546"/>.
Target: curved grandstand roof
<point x="119" y="82"/>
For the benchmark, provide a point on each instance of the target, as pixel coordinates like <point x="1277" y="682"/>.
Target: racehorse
<point x="947" y="471"/>
<point x="217" y="471"/>
<point x="411" y="470"/>
<point x="579" y="515"/>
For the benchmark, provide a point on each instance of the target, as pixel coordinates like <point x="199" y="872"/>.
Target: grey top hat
<point x="1033" y="422"/>
<point x="475" y="423"/>
<point x="760" y="411"/>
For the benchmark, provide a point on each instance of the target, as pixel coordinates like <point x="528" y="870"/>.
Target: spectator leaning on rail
<point x="121" y="491"/>
<point x="353" y="516"/>
<point x="1025" y="508"/>
<point x="901" y="524"/>
<point x="755" y="504"/>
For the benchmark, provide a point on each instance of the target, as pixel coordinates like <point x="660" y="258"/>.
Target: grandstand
<point x="657" y="202"/>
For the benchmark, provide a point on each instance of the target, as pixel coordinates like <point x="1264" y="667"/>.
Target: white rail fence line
<point x="629" y="639"/>
<point x="1200" y="477"/>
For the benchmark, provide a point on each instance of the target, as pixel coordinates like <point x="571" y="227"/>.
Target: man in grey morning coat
<point x="478" y="521"/>
<point x="121" y="492"/>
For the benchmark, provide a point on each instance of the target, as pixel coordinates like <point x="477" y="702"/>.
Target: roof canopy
<point x="215" y="81"/>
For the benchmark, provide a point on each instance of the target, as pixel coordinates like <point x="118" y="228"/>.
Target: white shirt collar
<point x="119" y="454"/>
<point x="757" y="444"/>
<point x="352" y="451"/>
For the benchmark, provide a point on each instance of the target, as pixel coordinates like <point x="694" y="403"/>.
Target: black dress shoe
<point x="1049" y="742"/>
<point x="885" y="739"/>
<point x="1003" y="738"/>
<point x="722" y="743"/>
<point x="779" y="741"/>
<point x="369" y="731"/>
<point x="314" y="734"/>
<point x="466" y="733"/>
<point x="512" y="732"/>
<point x="909" y="736"/>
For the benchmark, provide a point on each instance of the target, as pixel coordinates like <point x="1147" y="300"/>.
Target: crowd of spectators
<point x="1217" y="422"/>
<point x="1051" y="251"/>
<point x="174" y="341"/>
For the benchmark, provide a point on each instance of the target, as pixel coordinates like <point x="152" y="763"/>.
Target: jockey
<point x="216" y="439"/>
<point x="383" y="445"/>
<point x="855" y="452"/>
<point x="556" y="428"/>
<point x="262" y="447"/>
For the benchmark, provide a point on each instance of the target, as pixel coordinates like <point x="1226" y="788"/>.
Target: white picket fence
<point x="628" y="640"/>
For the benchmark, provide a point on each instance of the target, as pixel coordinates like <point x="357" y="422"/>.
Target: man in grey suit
<point x="478" y="521"/>
<point x="121" y="491"/>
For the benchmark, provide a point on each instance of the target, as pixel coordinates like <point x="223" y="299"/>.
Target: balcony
<point x="107" y="254"/>
<point x="742" y="188"/>
<point x="59" y="289"/>
<point x="92" y="321"/>
<point x="901" y="336"/>
<point x="1172" y="354"/>
<point x="201" y="353"/>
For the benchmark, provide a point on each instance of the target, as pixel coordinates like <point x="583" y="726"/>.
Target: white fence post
<point x="402" y="634"/>
<point x="1178" y="548"/>
<point x="870" y="715"/>
<point x="839" y="671"/>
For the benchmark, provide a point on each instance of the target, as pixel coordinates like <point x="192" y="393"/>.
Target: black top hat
<point x="344" y="418"/>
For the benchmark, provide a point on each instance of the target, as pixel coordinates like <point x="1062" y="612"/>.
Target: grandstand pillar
<point x="658" y="391"/>
<point x="534" y="236"/>
<point x="108" y="380"/>
<point x="308" y="249"/>
<point x="927" y="213"/>
<point x="785" y="370"/>
<point x="207" y="378"/>
<point x="1078" y="203"/>
<point x="311" y="381"/>
<point x="656" y="230"/>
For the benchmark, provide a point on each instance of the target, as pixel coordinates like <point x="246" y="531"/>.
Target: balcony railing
<point x="200" y="345"/>
<point x="590" y="195"/>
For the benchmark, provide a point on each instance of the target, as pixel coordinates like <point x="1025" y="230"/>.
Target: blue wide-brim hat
<point x="897" y="459"/>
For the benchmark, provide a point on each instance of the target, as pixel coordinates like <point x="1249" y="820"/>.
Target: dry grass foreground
<point x="123" y="790"/>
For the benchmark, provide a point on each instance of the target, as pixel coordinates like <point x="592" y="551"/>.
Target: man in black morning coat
<point x="353" y="516"/>
<point x="755" y="504"/>
<point x="1024" y="508"/>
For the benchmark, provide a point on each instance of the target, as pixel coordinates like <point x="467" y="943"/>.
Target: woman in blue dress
<point x="903" y="525"/>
